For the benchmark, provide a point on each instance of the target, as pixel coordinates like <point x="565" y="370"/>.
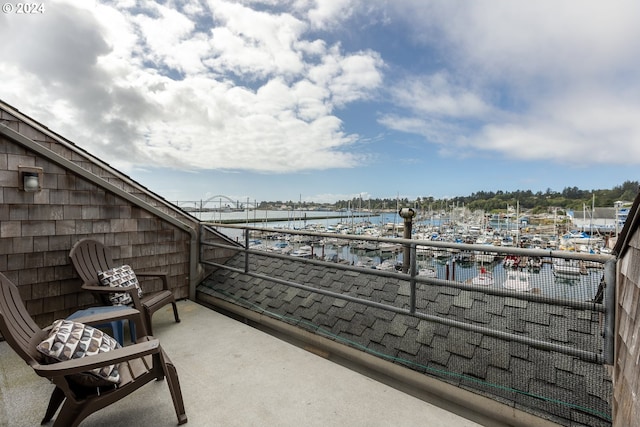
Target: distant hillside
<point x="569" y="198"/>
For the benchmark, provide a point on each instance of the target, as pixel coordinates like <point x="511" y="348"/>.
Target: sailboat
<point x="566" y="267"/>
<point x="517" y="281"/>
<point x="484" y="278"/>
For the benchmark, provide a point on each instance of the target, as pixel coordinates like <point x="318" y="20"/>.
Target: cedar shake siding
<point x="81" y="196"/>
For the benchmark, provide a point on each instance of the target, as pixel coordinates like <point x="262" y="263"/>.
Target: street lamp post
<point x="407" y="214"/>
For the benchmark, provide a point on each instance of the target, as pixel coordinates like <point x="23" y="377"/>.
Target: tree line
<point x="569" y="198"/>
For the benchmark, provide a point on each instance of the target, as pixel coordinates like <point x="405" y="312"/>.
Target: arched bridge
<point x="216" y="203"/>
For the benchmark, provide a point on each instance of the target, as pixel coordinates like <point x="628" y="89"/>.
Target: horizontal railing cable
<point x="583" y="305"/>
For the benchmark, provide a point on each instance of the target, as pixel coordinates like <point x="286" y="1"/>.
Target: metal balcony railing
<point x="581" y="281"/>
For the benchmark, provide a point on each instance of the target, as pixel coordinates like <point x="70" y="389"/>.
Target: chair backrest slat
<point x="89" y="257"/>
<point x="16" y="324"/>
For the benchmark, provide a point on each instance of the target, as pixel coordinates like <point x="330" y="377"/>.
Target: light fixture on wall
<point x="30" y="179"/>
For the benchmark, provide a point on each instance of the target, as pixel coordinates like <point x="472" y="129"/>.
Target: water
<point x="580" y="287"/>
<point x="300" y="220"/>
<point x="295" y="219"/>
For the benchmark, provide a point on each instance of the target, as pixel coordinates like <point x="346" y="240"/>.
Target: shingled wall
<point x="626" y="374"/>
<point x="37" y="229"/>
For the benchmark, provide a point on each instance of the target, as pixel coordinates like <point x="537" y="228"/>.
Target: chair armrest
<point x="87" y="363"/>
<point x="162" y="275"/>
<point x="100" y="318"/>
<point x="107" y="289"/>
<point x="132" y="290"/>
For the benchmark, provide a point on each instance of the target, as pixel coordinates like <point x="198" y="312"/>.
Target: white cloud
<point x="252" y="85"/>
<point x="433" y="130"/>
<point x="327" y="13"/>
<point x="600" y="130"/>
<point x="435" y="94"/>
<point x="256" y="42"/>
<point x="560" y="74"/>
<point x="154" y="86"/>
<point x="169" y="40"/>
<point x="541" y="38"/>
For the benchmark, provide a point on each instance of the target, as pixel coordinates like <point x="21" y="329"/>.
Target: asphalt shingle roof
<point x="558" y="387"/>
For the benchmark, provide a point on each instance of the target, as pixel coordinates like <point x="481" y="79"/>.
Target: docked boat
<point x="464" y="257"/>
<point x="484" y="257"/>
<point x="575" y="238"/>
<point x="511" y="261"/>
<point x="365" y="262"/>
<point x="484" y="278"/>
<point x="387" y="247"/>
<point x="255" y="244"/>
<point x="364" y="246"/>
<point x="534" y="263"/>
<point x="280" y="247"/>
<point x="304" y="251"/>
<point x="428" y="272"/>
<point x="441" y="254"/>
<point x="566" y="267"/>
<point x="424" y="250"/>
<point x="507" y="241"/>
<point x="388" y="265"/>
<point x="518" y="281"/>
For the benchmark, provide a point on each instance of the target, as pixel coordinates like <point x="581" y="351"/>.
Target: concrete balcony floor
<point x="233" y="375"/>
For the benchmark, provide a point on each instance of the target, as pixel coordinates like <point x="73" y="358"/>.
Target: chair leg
<point x="56" y="399"/>
<point x="175" y="312"/>
<point x="174" y="387"/>
<point x="147" y="321"/>
<point x="132" y="331"/>
<point x="71" y="415"/>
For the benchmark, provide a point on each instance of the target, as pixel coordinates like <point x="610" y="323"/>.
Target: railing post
<point x="413" y="270"/>
<point x="246" y="254"/>
<point x="407" y="214"/>
<point x="610" y="311"/>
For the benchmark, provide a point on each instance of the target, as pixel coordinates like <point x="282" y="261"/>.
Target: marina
<point x="540" y="276"/>
<point x="543" y="280"/>
<point x="454" y="226"/>
<point x="557" y="277"/>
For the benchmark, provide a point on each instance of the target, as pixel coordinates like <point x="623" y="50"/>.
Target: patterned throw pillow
<point x="118" y="277"/>
<point x="71" y="340"/>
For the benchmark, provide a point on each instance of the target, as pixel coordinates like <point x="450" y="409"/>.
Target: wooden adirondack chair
<point x="90" y="256"/>
<point x="138" y="365"/>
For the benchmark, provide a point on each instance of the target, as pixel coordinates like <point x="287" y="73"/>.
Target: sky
<point x="325" y="100"/>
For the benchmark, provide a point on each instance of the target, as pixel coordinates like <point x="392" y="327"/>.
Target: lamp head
<point x="407" y="213"/>
<point x="31" y="181"/>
